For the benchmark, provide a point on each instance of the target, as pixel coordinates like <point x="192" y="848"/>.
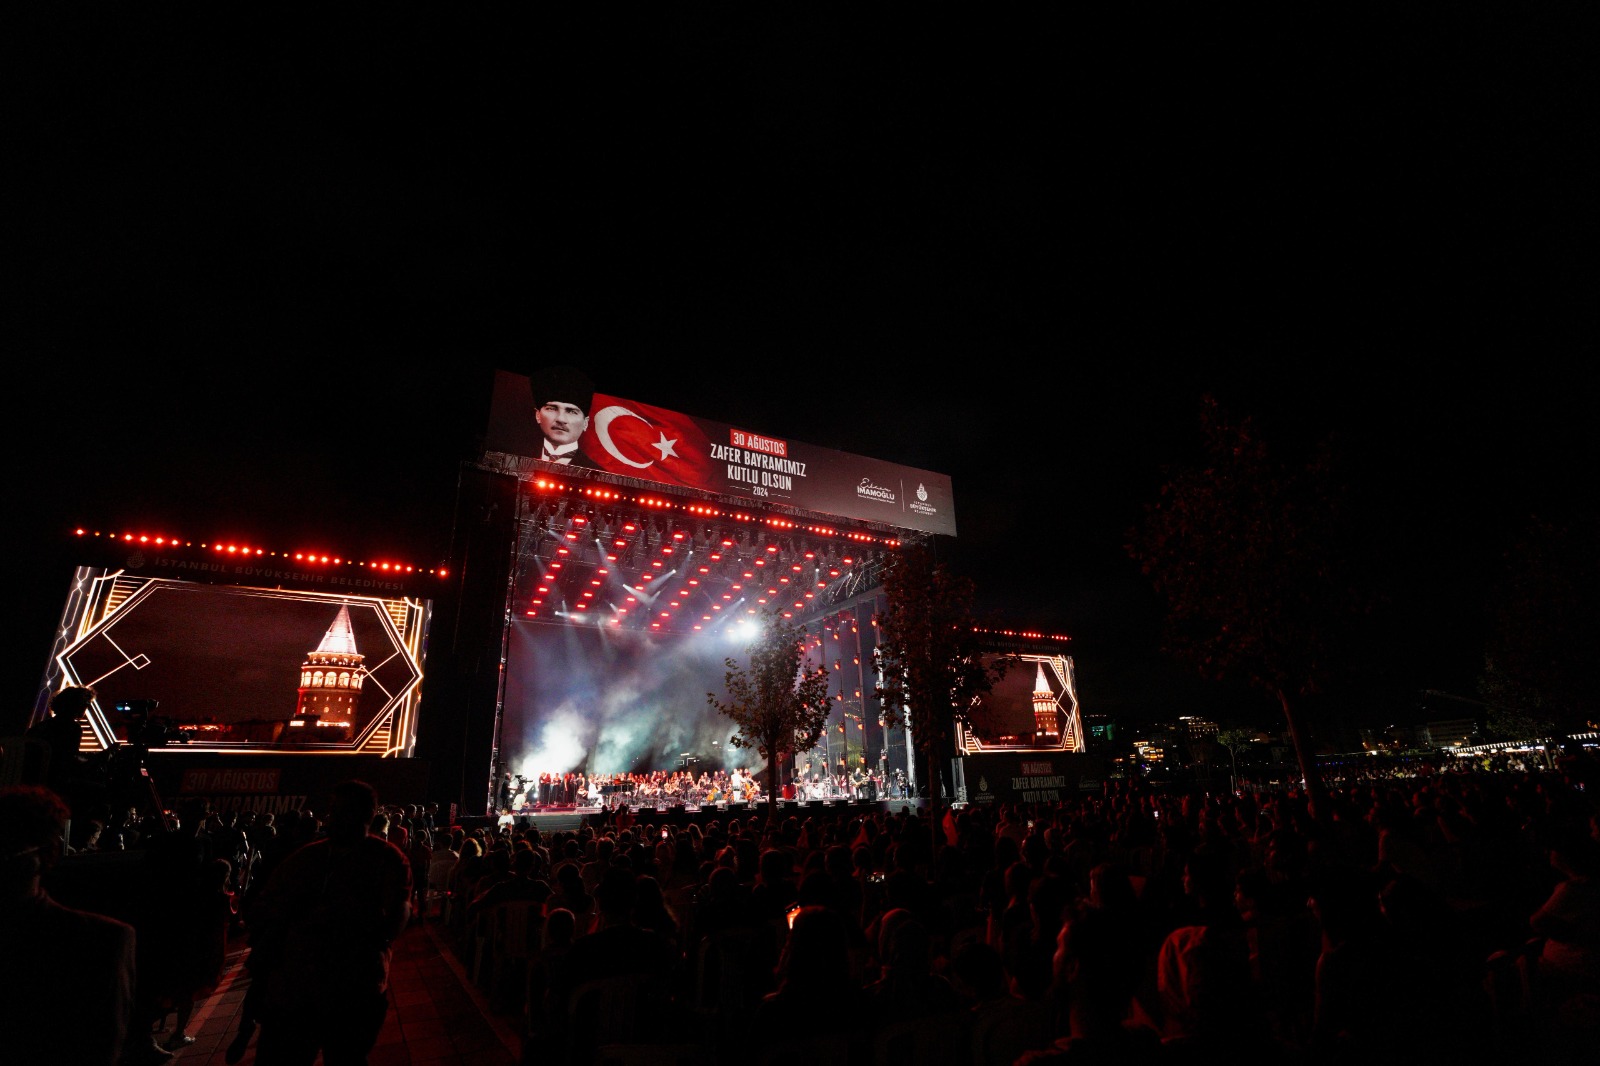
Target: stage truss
<point x="592" y="552"/>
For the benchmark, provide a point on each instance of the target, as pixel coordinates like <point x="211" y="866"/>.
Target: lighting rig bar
<point x="588" y="552"/>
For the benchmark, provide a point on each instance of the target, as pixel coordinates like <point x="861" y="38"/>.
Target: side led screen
<point x="192" y="666"/>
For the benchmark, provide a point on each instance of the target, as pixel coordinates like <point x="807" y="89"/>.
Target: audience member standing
<point x="67" y="772"/>
<point x="322" y="936"/>
<point x="66" y="976"/>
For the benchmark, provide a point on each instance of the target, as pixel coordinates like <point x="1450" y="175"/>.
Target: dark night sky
<point x="259" y="288"/>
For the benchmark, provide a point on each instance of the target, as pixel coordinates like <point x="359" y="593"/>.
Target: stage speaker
<point x="813" y="803"/>
<point x="790" y="805"/>
<point x="841" y="803"/>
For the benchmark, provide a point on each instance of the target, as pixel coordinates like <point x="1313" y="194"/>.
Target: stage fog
<point x="579" y="697"/>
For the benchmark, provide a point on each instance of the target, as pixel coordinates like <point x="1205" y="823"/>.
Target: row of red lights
<point x="700" y="511"/>
<point x="660" y="503"/>
<point x="312" y="558"/>
<point x="1024" y="634"/>
<point x="667" y="550"/>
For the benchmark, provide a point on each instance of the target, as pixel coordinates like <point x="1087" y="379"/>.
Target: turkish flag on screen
<point x="636" y="439"/>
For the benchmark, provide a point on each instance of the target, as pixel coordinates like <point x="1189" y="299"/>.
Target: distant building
<point x="1100" y="728"/>
<point x="1448" y="733"/>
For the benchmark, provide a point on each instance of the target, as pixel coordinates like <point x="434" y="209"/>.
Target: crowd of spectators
<point x="1436" y="916"/>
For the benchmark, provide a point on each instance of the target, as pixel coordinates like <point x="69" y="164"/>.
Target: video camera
<point x="144" y="729"/>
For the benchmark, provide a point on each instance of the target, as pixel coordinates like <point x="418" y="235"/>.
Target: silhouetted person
<point x="67" y="772"/>
<point x="908" y="988"/>
<point x="324" y="925"/>
<point x="549" y="987"/>
<point x="619" y="947"/>
<point x="66" y="976"/>
<point x="815" y="984"/>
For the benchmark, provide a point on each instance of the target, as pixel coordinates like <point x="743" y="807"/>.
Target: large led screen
<point x="638" y="440"/>
<point x="194" y="666"/>
<point x="1033" y="707"/>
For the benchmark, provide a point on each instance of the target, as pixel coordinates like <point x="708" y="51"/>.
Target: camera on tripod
<point x="144" y="729"/>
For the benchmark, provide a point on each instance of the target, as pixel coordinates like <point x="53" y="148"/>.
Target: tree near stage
<point x="933" y="671"/>
<point x="779" y="706"/>
<point x="1251" y="555"/>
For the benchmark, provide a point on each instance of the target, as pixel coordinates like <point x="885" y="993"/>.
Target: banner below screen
<point x="654" y="444"/>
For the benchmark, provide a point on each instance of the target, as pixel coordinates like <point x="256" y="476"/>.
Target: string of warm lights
<point x="160" y="541"/>
<point x="1021" y="634"/>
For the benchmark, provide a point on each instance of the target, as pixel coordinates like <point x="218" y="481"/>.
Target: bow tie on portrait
<point x="558" y="458"/>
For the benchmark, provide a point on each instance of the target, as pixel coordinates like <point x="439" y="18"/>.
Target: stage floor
<point x="554" y="819"/>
